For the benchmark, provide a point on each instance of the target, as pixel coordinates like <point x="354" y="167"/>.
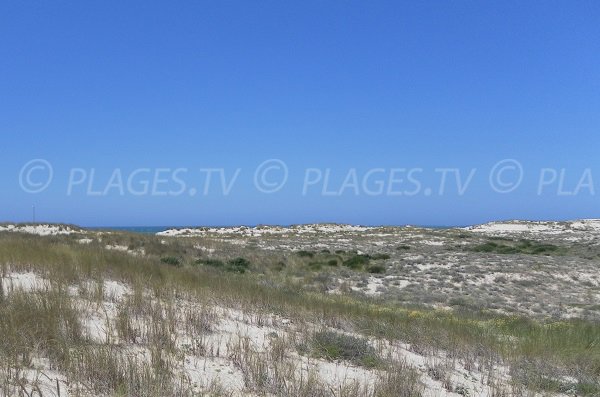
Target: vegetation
<point x="357" y="262"/>
<point x="520" y="247"/>
<point x="211" y="262"/>
<point x="377" y="269"/>
<point x="380" y="256"/>
<point x="545" y="355"/>
<point x="236" y="265"/>
<point x="337" y="346"/>
<point x="318" y="261"/>
<point x="171" y="260"/>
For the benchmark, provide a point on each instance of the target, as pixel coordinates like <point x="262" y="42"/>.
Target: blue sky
<point x="334" y="85"/>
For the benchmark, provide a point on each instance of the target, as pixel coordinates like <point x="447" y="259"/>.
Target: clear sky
<point x="344" y="86"/>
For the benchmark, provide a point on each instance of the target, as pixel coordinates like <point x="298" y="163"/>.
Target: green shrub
<point x="507" y="250"/>
<point x="238" y="265"/>
<point x="332" y="262"/>
<point x="380" y="256"/>
<point x="171" y="260"/>
<point x="490" y="246"/>
<point x="544" y="249"/>
<point x="521" y="247"/>
<point x="210" y="262"/>
<point x="337" y="346"/>
<point x="356" y="262"/>
<point x="376" y="269"/>
<point x="305" y="254"/>
<point x="403" y="247"/>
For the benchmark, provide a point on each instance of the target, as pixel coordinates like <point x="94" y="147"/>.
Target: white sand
<point x="40" y="230"/>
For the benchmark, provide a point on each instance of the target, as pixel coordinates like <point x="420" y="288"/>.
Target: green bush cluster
<point x="354" y="261"/>
<point x="357" y="262"/>
<point x="237" y="265"/>
<point x="521" y="247"/>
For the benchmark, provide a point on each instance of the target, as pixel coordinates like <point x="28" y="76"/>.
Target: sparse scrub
<point x="380" y="256"/>
<point x="314" y="265"/>
<point x="237" y="265"/>
<point x="171" y="260"/>
<point x="211" y="262"/>
<point x="521" y="247"/>
<point x="337" y="346"/>
<point x="399" y="381"/>
<point x="376" y="269"/>
<point x="543" y="354"/>
<point x="356" y="262"/>
<point x="305" y="254"/>
<point x="199" y="321"/>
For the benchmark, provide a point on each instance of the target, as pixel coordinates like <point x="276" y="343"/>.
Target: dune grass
<point x="541" y="355"/>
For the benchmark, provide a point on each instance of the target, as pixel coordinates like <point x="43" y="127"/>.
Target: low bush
<point x="237" y="265"/>
<point x="337" y="346"/>
<point x="210" y="262"/>
<point x="521" y="247"/>
<point x="356" y="262"/>
<point x="380" y="257"/>
<point x="171" y="260"/>
<point x="376" y="269"/>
